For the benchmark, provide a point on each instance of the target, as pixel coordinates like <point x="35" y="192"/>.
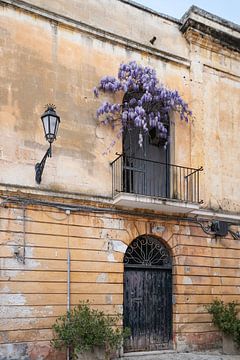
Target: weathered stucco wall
<point x="215" y="93"/>
<point x="125" y="20"/>
<point x="35" y="293"/>
<point x="45" y="61"/>
<point x="57" y="54"/>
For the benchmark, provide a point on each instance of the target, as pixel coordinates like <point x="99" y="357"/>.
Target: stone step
<point x="173" y="355"/>
<point x="147" y="355"/>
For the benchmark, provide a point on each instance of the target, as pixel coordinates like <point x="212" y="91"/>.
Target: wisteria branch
<point x="146" y="103"/>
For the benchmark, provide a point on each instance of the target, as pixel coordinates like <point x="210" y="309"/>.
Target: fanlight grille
<point x="147" y="251"/>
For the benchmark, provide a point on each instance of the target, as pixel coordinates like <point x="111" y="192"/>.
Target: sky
<point x="227" y="9"/>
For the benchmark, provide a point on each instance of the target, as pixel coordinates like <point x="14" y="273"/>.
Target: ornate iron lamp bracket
<point x="40" y="166"/>
<point x="50" y="121"/>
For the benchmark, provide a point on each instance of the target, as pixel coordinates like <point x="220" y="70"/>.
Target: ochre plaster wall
<point x="47" y="63"/>
<point x="127" y="21"/>
<point x="35" y="293"/>
<point x="42" y="62"/>
<point x="215" y="93"/>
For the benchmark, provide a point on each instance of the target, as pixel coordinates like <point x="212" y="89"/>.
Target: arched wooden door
<point x="147" y="295"/>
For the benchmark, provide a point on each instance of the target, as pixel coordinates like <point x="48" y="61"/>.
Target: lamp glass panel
<point x="53" y="121"/>
<point x="45" y="124"/>
<point x="57" y="125"/>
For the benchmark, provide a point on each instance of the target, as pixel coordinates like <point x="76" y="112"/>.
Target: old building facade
<point x="83" y="220"/>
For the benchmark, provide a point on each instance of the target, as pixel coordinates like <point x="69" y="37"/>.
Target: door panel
<point x="145" y="170"/>
<point x="148" y="308"/>
<point x="134" y="309"/>
<point x="158" y="301"/>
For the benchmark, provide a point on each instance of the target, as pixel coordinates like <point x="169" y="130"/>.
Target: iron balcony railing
<point x="157" y="179"/>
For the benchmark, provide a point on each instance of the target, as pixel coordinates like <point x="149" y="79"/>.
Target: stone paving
<point x="171" y="355"/>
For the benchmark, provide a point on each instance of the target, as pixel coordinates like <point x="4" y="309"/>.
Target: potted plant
<point x="88" y="333"/>
<point x="224" y="317"/>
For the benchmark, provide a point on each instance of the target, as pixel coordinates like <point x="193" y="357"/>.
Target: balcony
<point x="147" y="184"/>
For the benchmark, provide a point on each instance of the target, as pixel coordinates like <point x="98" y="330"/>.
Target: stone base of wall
<point x="44" y="351"/>
<point x="30" y="351"/>
<point x="199" y="342"/>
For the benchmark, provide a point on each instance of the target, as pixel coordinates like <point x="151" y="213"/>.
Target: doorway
<point x="146" y="169"/>
<point x="147" y="295"/>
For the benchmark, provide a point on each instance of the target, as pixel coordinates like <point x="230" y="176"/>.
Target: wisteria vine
<point x="146" y="103"/>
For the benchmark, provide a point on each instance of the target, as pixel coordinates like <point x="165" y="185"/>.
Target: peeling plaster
<point x="106" y="245"/>
<point x="187" y="230"/>
<point x="120" y="309"/>
<point x="187" y="280"/>
<point x="176" y="228"/>
<point x="20" y="312"/>
<point x="104" y="233"/>
<point x="9" y="275"/>
<point x="109" y="299"/>
<point x="14" y="351"/>
<point x="13" y="312"/>
<point x="113" y="223"/>
<point x="5" y="289"/>
<point x="49" y="309"/>
<point x="119" y="246"/>
<point x="101" y="278"/>
<point x="209" y="241"/>
<point x="110" y="257"/>
<point x="13" y="299"/>
<point x="20" y="219"/>
<point x="32" y="264"/>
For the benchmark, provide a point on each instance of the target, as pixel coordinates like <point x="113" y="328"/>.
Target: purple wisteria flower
<point x="146" y="103"/>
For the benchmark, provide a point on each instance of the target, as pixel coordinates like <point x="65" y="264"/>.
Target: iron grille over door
<point x="148" y="295"/>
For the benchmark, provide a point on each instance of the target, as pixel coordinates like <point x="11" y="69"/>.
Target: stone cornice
<point x="208" y="16"/>
<point x="223" y="32"/>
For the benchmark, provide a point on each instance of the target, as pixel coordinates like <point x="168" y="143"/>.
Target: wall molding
<point x="96" y="32"/>
<point x="105" y="204"/>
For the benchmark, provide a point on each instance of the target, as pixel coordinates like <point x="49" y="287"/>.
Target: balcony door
<point x="145" y="169"/>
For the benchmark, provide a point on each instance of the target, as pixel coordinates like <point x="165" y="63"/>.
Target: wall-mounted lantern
<point x="50" y="121"/>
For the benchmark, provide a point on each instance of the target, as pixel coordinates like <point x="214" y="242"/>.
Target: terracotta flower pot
<point x="97" y="353"/>
<point x="229" y="347"/>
